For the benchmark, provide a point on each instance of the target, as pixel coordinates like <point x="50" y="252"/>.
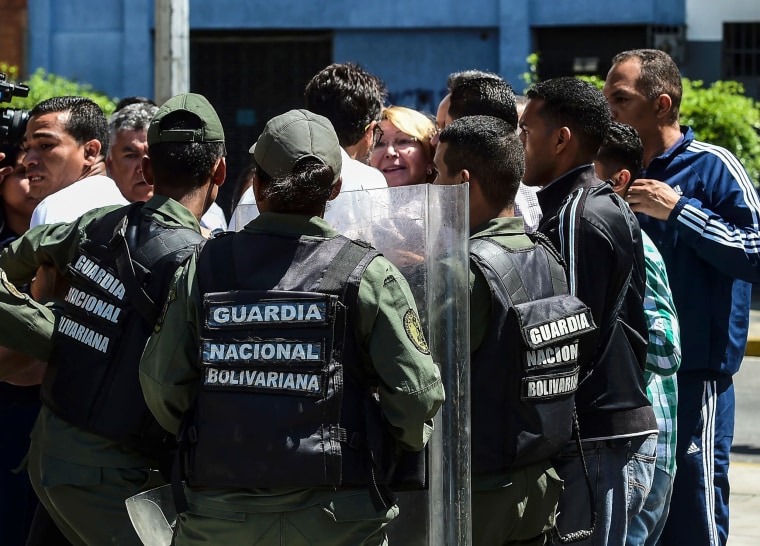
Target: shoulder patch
<point x="9" y="286"/>
<point x="413" y="329"/>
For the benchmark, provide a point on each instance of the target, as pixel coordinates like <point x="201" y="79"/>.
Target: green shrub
<point x="43" y="85"/>
<point x="721" y="114"/>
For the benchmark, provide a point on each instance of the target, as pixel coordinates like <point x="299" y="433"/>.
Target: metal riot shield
<point x="153" y="515"/>
<point x="424" y="231"/>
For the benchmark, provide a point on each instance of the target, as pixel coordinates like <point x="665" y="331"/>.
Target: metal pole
<point x="172" y="45"/>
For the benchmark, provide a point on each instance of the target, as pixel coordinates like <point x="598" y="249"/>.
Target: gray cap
<point x="292" y="136"/>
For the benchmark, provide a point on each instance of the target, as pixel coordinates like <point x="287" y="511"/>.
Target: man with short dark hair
<point x="65" y="143"/>
<point x="562" y="127"/>
<point x="513" y="501"/>
<point x="95" y="443"/>
<point x="699" y="206"/>
<point x="619" y="161"/>
<point x="477" y="93"/>
<point x="296" y="373"/>
<point x="352" y="99"/>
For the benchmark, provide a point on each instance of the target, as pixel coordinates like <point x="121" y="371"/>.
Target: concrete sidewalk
<point x="753" y="338"/>
<point x="744" y="507"/>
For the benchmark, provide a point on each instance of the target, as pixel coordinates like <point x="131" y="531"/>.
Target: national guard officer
<point x="521" y="396"/>
<point x="95" y="443"/>
<point x="291" y="361"/>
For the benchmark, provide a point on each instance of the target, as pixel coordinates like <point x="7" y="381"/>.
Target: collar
<point x="687" y="137"/>
<point x="171" y="210"/>
<point x="510" y="225"/>
<point x="551" y="196"/>
<point x="295" y="225"/>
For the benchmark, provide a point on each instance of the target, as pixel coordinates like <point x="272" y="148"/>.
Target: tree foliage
<point x="43" y="85"/>
<point x="721" y="114"/>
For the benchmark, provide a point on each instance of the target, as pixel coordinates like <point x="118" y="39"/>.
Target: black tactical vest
<point x="525" y="372"/>
<point x="120" y="278"/>
<point x="282" y="399"/>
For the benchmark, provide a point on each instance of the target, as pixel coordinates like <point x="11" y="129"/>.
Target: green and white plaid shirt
<point x="663" y="354"/>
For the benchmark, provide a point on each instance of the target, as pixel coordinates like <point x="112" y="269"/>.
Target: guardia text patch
<point x="269" y="312"/>
<point x="93" y="305"/>
<point x="553" y="355"/>
<point x="83" y="334"/>
<point x="99" y="276"/>
<point x="263" y="380"/>
<point x="550" y="386"/>
<point x="262" y="350"/>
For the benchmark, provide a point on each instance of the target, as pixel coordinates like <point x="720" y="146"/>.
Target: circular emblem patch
<point x="9" y="286"/>
<point x="413" y="329"/>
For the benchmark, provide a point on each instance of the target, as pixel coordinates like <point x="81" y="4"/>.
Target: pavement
<point x="744" y="507"/>
<point x="744" y="470"/>
<point x="753" y="339"/>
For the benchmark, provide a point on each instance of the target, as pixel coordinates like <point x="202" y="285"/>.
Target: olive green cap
<point x="293" y="136"/>
<point x="211" y="127"/>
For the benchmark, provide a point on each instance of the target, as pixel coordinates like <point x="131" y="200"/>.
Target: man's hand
<point x="20" y="369"/>
<point x="48" y="283"/>
<point x="652" y="197"/>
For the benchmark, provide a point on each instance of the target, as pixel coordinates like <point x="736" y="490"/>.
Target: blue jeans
<point x="621" y="473"/>
<point x="646" y="527"/>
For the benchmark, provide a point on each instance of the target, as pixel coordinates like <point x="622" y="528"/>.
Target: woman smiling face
<point x="400" y="157"/>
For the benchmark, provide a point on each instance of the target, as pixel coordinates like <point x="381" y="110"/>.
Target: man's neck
<point x="662" y="141"/>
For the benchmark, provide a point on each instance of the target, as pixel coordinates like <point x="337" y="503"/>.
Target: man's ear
<point x="465" y="175"/>
<point x="663" y="105"/>
<point x="258" y="189"/>
<point x="220" y="172"/>
<point x="336" y="189"/>
<point x="621" y="179"/>
<point x="147" y="170"/>
<point x="92" y="151"/>
<point x="564" y="135"/>
<point x="5" y="171"/>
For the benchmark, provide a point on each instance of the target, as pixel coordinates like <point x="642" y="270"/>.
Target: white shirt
<point x="71" y="202"/>
<point x="214" y="218"/>
<point x="526" y="205"/>
<point x="356" y="176"/>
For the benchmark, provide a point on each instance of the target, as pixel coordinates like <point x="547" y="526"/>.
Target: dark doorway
<point x="250" y="77"/>
<point x="572" y="51"/>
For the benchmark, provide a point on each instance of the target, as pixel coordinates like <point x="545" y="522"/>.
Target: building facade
<point x="252" y="58"/>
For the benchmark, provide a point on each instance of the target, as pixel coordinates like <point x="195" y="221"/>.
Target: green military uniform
<point x="82" y="478"/>
<point x="513" y="507"/>
<point x="29" y="327"/>
<point x="410" y="393"/>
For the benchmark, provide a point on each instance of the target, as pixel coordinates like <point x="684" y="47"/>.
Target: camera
<point x="12" y="122"/>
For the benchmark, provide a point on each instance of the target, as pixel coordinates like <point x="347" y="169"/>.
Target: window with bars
<point x="741" y="50"/>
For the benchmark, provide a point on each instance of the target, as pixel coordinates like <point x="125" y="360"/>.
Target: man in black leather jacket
<point x="562" y="128"/>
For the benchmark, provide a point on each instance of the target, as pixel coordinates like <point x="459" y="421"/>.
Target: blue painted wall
<point x="108" y="44"/>
<point x="413" y="46"/>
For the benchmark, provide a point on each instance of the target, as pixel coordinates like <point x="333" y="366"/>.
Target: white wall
<point x="705" y="18"/>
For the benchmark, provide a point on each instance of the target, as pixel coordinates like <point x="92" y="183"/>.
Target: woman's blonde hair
<point x="415" y="124"/>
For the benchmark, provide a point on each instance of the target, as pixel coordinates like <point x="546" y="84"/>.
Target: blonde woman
<point x="403" y="152"/>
